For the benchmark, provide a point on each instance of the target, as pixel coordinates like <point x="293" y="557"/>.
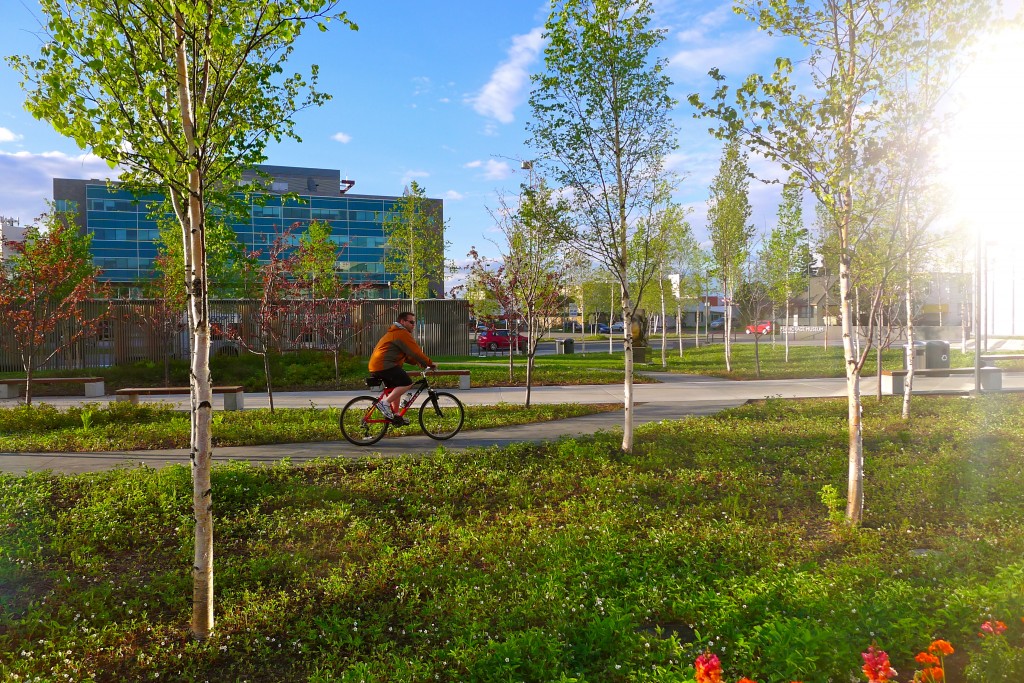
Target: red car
<point x="760" y="327"/>
<point x="492" y="340"/>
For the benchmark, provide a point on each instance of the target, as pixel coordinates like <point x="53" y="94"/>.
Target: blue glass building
<point x="125" y="236"/>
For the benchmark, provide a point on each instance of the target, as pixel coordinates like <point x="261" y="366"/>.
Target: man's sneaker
<point x="400" y="421"/>
<point x="385" y="410"/>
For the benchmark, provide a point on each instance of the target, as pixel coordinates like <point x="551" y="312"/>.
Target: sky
<point x="419" y="93"/>
<point x="432" y="92"/>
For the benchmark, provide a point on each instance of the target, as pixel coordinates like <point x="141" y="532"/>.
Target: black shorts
<point x="393" y="377"/>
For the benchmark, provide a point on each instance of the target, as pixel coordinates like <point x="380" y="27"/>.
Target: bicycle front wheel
<point x="441" y="415"/>
<point x="361" y="422"/>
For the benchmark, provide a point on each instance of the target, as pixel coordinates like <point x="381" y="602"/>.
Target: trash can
<point x="920" y="359"/>
<point x="568" y="345"/>
<point x="559" y="346"/>
<point x="936" y="354"/>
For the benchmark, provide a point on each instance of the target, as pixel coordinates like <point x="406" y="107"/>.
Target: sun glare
<point x="984" y="153"/>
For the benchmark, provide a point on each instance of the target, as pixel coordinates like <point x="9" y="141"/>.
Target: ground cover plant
<point x="804" y="361"/>
<point x="123" y="426"/>
<point x="314" y="371"/>
<point x="557" y="562"/>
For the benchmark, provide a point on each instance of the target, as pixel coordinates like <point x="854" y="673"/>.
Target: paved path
<point x="674" y="397"/>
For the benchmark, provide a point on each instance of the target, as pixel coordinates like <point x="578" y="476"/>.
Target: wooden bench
<point x="11" y="388"/>
<point x="463" y="376"/>
<point x="233" y="396"/>
<point x="894" y="381"/>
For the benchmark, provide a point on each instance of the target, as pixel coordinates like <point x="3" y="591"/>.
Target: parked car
<point x="717" y="324"/>
<point x="572" y="326"/>
<point x="601" y="328"/>
<point x="492" y="340"/>
<point x="617" y="327"/>
<point x="760" y="327"/>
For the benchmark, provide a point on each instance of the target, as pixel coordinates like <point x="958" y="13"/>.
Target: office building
<point x="125" y="236"/>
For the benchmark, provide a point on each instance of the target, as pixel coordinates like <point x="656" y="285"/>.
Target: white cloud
<point x="409" y="176"/>
<point x="506" y="89"/>
<point x="422" y="85"/>
<point x="494" y="170"/>
<point x="454" y="196"/>
<point x="692" y="65"/>
<point x="343" y="138"/>
<point x="28" y="179"/>
<point x="8" y="136"/>
<point x="696" y="30"/>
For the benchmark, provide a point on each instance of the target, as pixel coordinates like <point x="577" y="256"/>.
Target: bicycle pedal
<point x="400" y="421"/>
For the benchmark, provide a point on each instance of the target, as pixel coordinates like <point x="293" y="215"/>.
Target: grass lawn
<point x="123" y="426"/>
<point x="315" y="371"/>
<point x="561" y="562"/>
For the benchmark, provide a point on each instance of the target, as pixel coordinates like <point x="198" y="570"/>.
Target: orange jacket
<point x="396" y="348"/>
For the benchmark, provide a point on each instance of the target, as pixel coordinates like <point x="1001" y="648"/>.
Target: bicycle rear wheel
<point x="361" y="423"/>
<point x="441" y="415"/>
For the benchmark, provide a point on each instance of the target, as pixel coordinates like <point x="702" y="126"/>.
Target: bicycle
<point x="441" y="414"/>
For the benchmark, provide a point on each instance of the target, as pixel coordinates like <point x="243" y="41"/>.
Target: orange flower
<point x="941" y="647"/>
<point x="925" y="658"/>
<point x="745" y="680"/>
<point x="932" y="675"/>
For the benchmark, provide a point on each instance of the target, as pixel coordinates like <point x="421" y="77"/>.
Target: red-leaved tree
<point x="43" y="288"/>
<point x="280" y="313"/>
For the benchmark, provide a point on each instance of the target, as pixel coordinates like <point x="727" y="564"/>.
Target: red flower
<point x="942" y="647"/>
<point x="709" y="669"/>
<point x="876" y="666"/>
<point x="925" y="658"/>
<point x="992" y="628"/>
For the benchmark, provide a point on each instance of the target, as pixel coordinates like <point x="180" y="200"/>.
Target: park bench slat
<point x="894" y="381"/>
<point x="11" y="388"/>
<point x="233" y="395"/>
<point x="463" y="376"/>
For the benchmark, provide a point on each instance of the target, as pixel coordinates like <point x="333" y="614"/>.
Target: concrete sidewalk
<point x="674" y="397"/>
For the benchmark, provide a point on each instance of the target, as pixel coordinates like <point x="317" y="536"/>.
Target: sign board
<point x="793" y="329"/>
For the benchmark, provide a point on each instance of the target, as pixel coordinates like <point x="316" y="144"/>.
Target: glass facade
<point x="125" y="235"/>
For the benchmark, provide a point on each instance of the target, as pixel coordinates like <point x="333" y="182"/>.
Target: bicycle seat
<point x="373" y="381"/>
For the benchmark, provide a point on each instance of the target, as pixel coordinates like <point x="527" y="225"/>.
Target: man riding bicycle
<point x="394" y="349"/>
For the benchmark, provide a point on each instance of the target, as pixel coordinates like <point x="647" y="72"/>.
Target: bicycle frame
<point x="419" y="386"/>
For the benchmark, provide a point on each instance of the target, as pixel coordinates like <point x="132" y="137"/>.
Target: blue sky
<point x="426" y="91"/>
<point x="435" y="92"/>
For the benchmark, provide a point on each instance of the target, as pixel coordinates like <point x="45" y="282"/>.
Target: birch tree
<point x="601" y="123"/>
<point x="183" y="96"/>
<point x="786" y="254"/>
<point x="531" y="264"/>
<point x="830" y="135"/>
<point x="728" y="224"/>
<point x="414" y="247"/>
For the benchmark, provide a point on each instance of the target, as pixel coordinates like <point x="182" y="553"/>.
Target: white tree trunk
<point x="194" y="242"/>
<point x="679" y="326"/>
<point x="909" y="384"/>
<point x="728" y="328"/>
<point x="627" y="398"/>
<point x="787" y="330"/>
<point x="664" y="334"/>
<point x="855" y="473"/>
